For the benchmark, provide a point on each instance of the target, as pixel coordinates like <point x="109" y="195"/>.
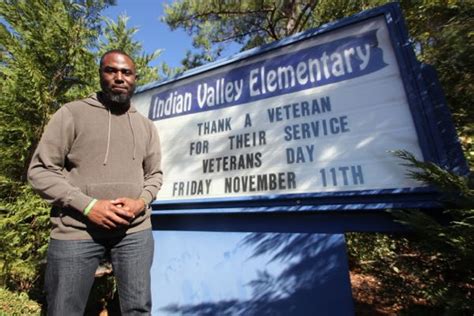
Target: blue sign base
<point x="230" y="271"/>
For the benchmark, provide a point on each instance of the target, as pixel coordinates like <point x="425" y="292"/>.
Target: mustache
<point x="117" y="97"/>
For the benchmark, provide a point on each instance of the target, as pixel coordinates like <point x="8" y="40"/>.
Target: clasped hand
<point x="111" y="214"/>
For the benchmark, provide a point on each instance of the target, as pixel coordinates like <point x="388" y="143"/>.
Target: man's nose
<point x="118" y="76"/>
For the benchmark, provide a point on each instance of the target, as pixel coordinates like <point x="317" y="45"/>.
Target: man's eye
<point x="125" y="72"/>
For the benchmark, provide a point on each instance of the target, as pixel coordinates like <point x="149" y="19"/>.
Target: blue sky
<point x="152" y="33"/>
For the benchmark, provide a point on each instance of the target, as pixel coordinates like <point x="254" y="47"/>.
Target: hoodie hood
<point x="93" y="100"/>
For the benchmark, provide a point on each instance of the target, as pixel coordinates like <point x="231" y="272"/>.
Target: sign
<point x="311" y="120"/>
<point x="224" y="273"/>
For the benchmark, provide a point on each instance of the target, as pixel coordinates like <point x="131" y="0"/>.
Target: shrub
<point x="17" y="304"/>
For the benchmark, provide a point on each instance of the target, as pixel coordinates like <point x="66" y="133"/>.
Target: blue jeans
<point x="72" y="264"/>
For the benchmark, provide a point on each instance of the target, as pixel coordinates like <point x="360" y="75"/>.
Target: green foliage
<point x="49" y="53"/>
<point x="457" y="191"/>
<point x="12" y="303"/>
<point x="442" y="32"/>
<point x="444" y="37"/>
<point x="433" y="263"/>
<point x="24" y="231"/>
<point x="444" y="258"/>
<point x="213" y="24"/>
<point x="45" y="62"/>
<point x="450" y="244"/>
<point x="366" y="249"/>
<point x="45" y="55"/>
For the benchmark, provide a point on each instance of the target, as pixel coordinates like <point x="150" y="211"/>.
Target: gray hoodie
<point x="87" y="152"/>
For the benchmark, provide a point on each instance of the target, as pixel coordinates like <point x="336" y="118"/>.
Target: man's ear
<point x="137" y="77"/>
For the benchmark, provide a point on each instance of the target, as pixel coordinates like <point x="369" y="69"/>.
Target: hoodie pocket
<point x="102" y="191"/>
<point x="111" y="191"/>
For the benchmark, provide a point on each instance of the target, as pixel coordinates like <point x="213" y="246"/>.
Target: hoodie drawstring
<point x="133" y="133"/>
<point x="108" y="138"/>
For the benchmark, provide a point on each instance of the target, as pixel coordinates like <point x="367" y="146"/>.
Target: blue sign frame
<point x="434" y="128"/>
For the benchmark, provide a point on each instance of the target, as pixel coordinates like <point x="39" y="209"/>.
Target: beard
<point x="117" y="101"/>
<point x="120" y="98"/>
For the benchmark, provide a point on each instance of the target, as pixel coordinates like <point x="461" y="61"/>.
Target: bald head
<point x="114" y="51"/>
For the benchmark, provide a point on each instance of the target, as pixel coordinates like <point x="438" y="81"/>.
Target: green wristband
<point x="89" y="207"/>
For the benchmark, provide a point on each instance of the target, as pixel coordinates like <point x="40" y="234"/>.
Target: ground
<point x="372" y="297"/>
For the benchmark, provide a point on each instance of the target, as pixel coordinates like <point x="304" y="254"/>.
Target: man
<point x="98" y="163"/>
